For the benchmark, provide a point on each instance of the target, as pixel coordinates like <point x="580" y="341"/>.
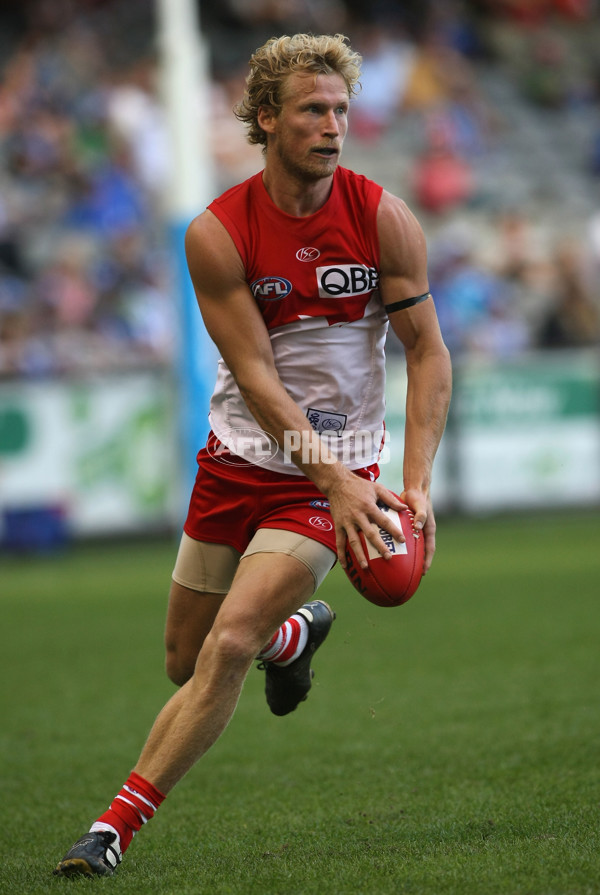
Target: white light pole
<point x="186" y="96"/>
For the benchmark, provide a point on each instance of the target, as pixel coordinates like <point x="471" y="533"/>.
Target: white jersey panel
<point x="335" y="373"/>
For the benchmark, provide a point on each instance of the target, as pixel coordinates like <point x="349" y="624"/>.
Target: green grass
<point x="449" y="747"/>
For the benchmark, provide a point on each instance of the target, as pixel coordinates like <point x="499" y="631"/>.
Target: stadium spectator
<point x="573" y="318"/>
<point x="388" y="58"/>
<point x="465" y="291"/>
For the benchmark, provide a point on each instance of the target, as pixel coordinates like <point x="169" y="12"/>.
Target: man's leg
<point x="202" y="577"/>
<point x="287" y="659"/>
<point x="190" y="616"/>
<point x="208" y="571"/>
<point x="267" y="589"/>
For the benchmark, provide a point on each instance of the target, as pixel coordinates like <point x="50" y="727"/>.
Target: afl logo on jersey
<point x="345" y="280"/>
<point x="309" y="253"/>
<point x="271" y="288"/>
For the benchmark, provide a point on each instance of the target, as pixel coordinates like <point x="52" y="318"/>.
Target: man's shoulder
<point x="238" y="192"/>
<point x="346" y="176"/>
<point x="394" y="211"/>
<point x="361" y="194"/>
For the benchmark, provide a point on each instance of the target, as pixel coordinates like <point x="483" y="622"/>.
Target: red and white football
<point x="389" y="582"/>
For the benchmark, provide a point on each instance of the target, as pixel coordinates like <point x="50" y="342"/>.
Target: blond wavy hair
<point x="279" y="57"/>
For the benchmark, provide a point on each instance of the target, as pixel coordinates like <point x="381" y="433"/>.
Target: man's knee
<point x="229" y="646"/>
<point x="235" y="645"/>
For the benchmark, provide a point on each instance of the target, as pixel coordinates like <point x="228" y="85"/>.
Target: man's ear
<point x="266" y="118"/>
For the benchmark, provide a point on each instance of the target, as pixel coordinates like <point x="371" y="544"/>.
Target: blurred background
<point x="483" y="115"/>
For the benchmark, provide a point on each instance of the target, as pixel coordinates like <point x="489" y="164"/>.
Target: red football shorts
<point x="232" y="499"/>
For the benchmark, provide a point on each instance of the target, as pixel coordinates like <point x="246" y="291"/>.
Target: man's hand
<point x="420" y="504"/>
<point x="353" y="501"/>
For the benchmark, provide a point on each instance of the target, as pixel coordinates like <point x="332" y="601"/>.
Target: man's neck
<point x="297" y="197"/>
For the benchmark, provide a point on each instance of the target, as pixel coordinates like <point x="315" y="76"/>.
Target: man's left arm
<point x="405" y="293"/>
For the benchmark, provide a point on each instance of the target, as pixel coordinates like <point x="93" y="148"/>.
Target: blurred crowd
<point x="85" y="276"/>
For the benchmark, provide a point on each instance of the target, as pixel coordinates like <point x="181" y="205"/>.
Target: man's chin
<point x="324" y="167"/>
<point x="313" y="169"/>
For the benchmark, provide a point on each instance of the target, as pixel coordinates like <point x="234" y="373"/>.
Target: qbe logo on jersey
<point x="343" y="280"/>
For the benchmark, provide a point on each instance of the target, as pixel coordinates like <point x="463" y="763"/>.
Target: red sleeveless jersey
<point x="322" y="265"/>
<point x="315" y="280"/>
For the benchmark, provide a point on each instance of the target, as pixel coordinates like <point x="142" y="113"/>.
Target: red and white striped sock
<point x="287" y="643"/>
<point x="133" y="806"/>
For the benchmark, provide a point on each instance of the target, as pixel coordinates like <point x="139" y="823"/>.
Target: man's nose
<point x="331" y="124"/>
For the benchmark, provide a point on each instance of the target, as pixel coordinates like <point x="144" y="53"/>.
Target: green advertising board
<point x="520" y="435"/>
<point x="102" y="450"/>
<point x="528" y="433"/>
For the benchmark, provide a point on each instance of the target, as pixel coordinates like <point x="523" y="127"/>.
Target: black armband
<point x="406" y="303"/>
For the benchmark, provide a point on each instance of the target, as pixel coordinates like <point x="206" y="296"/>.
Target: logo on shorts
<point x="319" y="522"/>
<point x="320" y="503"/>
<point x="308" y="253"/>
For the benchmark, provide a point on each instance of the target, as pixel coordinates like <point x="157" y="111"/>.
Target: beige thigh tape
<point x="210" y="568"/>
<point x="205" y="567"/>
<point x="315" y="556"/>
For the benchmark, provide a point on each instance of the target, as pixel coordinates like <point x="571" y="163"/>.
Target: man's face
<point x="307" y="135"/>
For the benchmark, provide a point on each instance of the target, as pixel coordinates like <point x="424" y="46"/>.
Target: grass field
<point x="448" y="746"/>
